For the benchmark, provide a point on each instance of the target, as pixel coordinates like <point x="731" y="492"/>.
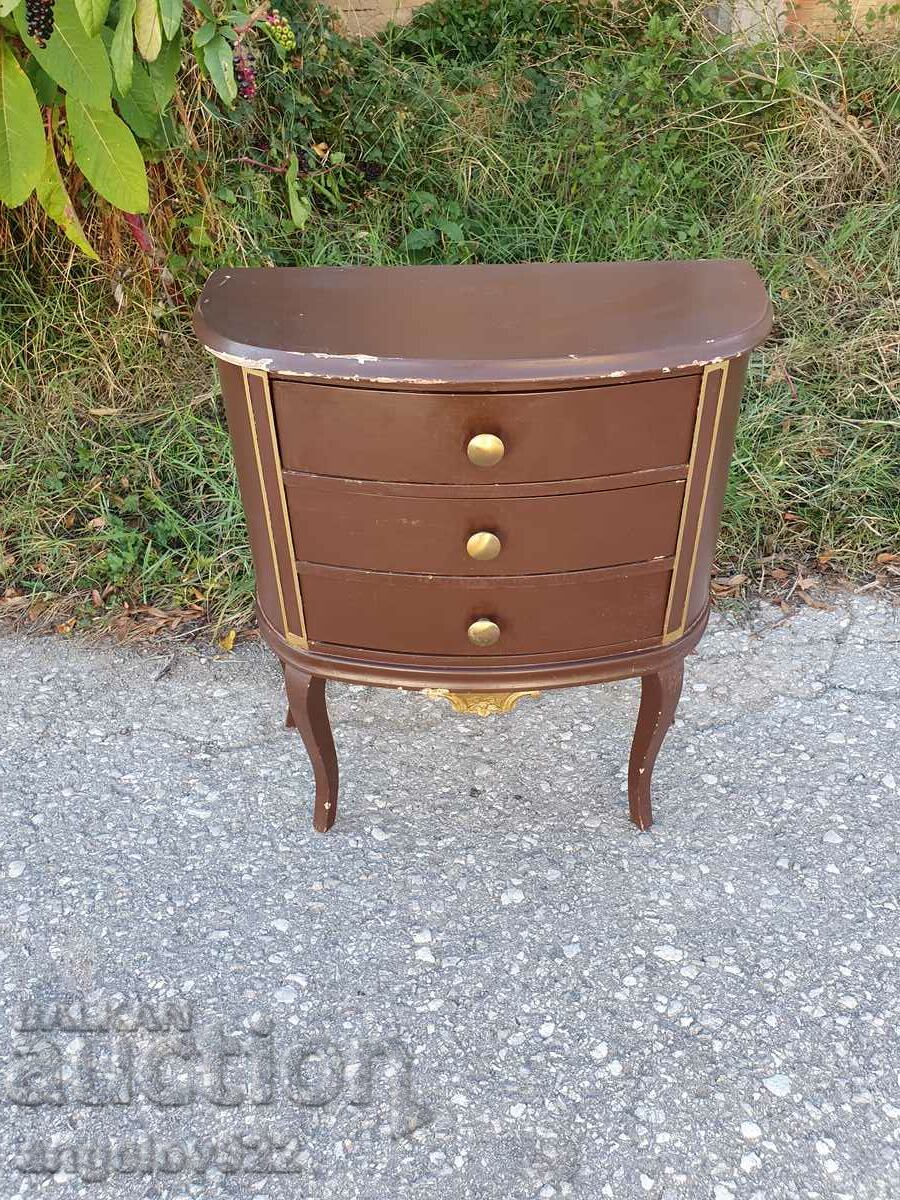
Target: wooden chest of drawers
<point x="483" y="481"/>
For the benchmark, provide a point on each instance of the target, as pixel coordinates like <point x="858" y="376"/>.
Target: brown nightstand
<point x="483" y="481"/>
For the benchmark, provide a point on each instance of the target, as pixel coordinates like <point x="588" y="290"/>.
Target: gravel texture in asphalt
<point x="484" y="982"/>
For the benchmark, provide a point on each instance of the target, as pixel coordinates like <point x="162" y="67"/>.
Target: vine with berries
<point x="94" y="82"/>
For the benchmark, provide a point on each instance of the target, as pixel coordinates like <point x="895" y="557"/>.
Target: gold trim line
<point x="722" y="369"/>
<point x="298" y="640"/>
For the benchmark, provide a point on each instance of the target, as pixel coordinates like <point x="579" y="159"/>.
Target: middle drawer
<point x="406" y="528"/>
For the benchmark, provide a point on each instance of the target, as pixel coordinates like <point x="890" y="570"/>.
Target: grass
<point x="511" y="131"/>
<point x="118" y="480"/>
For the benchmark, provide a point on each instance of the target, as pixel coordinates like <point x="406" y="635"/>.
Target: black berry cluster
<point x="39" y="20"/>
<point x="371" y="170"/>
<point x="243" y="69"/>
<point x="279" y="30"/>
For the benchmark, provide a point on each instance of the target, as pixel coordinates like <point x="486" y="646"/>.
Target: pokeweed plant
<point x="93" y="82"/>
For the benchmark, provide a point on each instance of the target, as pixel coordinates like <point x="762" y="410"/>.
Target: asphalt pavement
<point x="483" y="982"/>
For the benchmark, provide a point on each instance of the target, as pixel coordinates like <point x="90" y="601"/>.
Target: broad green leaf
<point x="203" y="9"/>
<point x="170" y="15"/>
<point x="45" y="88"/>
<point x="54" y="200"/>
<point x="164" y="71"/>
<point x="121" y="48"/>
<point x="205" y="33"/>
<point x="108" y="156"/>
<point x="92" y="14"/>
<point x="217" y="59"/>
<point x="451" y="230"/>
<point x="147" y="28"/>
<point x="6" y="7"/>
<point x="139" y="107"/>
<point x="77" y="62"/>
<point x="21" y="131"/>
<point x="299" y="204"/>
<point x="420" y="239"/>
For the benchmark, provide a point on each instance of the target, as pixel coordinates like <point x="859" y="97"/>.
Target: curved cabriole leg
<point x="660" y="693"/>
<point x="308" y="714"/>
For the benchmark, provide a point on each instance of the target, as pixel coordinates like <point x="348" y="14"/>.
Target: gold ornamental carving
<point x="483" y="704"/>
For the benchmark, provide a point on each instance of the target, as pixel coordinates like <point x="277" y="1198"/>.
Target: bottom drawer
<point x="431" y="614"/>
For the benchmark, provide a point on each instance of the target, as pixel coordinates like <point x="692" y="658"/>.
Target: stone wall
<point x="751" y="17"/>
<point x="367" y="16"/>
<point x="818" y="14"/>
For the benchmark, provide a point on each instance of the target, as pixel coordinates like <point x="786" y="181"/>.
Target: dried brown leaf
<point x="813" y="603"/>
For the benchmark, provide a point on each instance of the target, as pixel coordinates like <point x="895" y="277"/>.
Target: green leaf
<point x="170" y="15"/>
<point x="45" y="88"/>
<point x="419" y="239"/>
<point x="121" y="48"/>
<point x="77" y="62"/>
<point x="204" y="34"/>
<point x="6" y="7"/>
<point x="451" y="230"/>
<point x="217" y="59"/>
<point x="54" y="200"/>
<point x="299" y="204"/>
<point x="138" y="107"/>
<point x="21" y="131"/>
<point x="108" y="156"/>
<point x="92" y="14"/>
<point x="164" y="71"/>
<point x="147" y="29"/>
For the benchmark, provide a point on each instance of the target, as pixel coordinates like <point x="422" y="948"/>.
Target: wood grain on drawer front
<point x="420" y="614"/>
<point x="415" y="437"/>
<point x="412" y="528"/>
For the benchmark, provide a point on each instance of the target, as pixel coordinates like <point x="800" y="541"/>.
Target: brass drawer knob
<point x="484" y="546"/>
<point x="485" y="450"/>
<point x="484" y="632"/>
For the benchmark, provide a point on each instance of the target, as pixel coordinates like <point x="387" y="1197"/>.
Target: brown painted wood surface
<point x="422" y="438"/>
<point x="487" y="491"/>
<point x="358" y="487"/>
<point x="361" y="527"/>
<point x="308" y="714"/>
<point x="239" y="427"/>
<point x="593" y="664"/>
<point x="431" y="614"/>
<point x="718" y="482"/>
<point x="483" y="327"/>
<point x="660" y="693"/>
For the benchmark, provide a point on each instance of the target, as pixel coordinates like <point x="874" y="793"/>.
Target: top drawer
<point x="413" y="437"/>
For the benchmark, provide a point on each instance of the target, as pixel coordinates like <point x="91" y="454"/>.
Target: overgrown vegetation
<point x="487" y="131"/>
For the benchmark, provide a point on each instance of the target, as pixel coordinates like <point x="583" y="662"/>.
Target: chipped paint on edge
<point x="238" y="360"/>
<point x="360" y="358"/>
<point x="700" y="362"/>
<point x="265" y="364"/>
